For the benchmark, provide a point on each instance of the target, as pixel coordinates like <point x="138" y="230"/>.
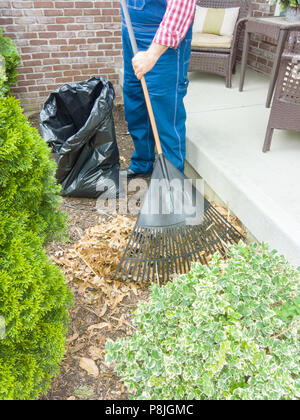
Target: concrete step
<point x="225" y="134"/>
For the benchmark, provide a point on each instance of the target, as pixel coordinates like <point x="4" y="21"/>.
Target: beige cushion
<point x="211" y="41"/>
<point x="215" y="20"/>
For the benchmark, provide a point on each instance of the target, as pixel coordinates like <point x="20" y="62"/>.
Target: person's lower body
<point x="167" y="84"/>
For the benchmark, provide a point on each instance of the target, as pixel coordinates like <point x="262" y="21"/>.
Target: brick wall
<point x="262" y="49"/>
<point x="69" y="41"/>
<point x="62" y="41"/>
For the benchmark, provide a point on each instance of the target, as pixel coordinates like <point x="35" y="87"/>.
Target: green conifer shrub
<point x="226" y="331"/>
<point x="27" y="175"/>
<point x="33" y="294"/>
<point x="3" y="80"/>
<point x="12" y="59"/>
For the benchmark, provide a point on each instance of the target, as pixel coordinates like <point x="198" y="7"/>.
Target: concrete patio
<point x="226" y="130"/>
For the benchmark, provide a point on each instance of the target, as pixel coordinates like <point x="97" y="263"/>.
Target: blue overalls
<point x="167" y="83"/>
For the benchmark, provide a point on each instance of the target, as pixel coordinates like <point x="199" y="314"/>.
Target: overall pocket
<point x="136" y="4"/>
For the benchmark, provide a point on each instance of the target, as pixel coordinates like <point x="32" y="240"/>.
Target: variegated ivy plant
<point x="227" y="331"/>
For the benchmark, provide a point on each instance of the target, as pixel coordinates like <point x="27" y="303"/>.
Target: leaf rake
<point x="176" y="225"/>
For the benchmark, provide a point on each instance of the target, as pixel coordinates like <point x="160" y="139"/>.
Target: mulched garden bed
<point x="102" y="308"/>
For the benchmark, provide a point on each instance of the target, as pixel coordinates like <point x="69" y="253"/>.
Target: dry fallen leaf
<point x="89" y="366"/>
<point x="98" y="326"/>
<point x="95" y="352"/>
<point x="103" y="310"/>
<point x="72" y="338"/>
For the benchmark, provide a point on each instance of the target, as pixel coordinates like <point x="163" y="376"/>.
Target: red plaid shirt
<point x="176" y="22"/>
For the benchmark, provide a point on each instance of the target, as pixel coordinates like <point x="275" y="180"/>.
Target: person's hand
<point x="143" y="62"/>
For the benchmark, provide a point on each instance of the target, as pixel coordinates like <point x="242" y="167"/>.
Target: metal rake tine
<point x="183" y="253"/>
<point x="163" y="258"/>
<point x="166" y="252"/>
<point x="154" y="257"/>
<point x="201" y="232"/>
<point x="222" y="235"/>
<point x="194" y="246"/>
<point x="131" y="260"/>
<point x="124" y="259"/>
<point x="147" y="258"/>
<point x="159" y="251"/>
<point x="173" y="249"/>
<point x="212" y="230"/>
<point x="174" y="234"/>
<point x="172" y="256"/>
<point x="215" y="238"/>
<point x="186" y="247"/>
<point x="224" y="221"/>
<point x="197" y="244"/>
<point x="230" y="230"/>
<point x="138" y="262"/>
<point x="128" y="250"/>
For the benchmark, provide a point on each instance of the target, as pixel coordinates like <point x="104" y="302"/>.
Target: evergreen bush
<point x="12" y="59"/>
<point x="226" y="331"/>
<point x="3" y="78"/>
<point x="27" y="175"/>
<point x="33" y="295"/>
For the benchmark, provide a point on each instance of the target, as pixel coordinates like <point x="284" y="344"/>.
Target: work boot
<point x="131" y="174"/>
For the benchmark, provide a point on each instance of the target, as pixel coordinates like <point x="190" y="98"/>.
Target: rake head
<point x="176" y="226"/>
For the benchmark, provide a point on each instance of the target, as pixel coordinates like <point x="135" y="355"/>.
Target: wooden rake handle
<point x="143" y="81"/>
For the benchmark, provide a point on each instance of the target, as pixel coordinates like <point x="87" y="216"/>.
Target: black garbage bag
<point x="78" y="124"/>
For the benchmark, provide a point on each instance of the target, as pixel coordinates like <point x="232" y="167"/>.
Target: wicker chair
<point x="285" y="111"/>
<point x="220" y="61"/>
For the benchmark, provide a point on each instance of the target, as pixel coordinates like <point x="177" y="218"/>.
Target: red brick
<point x="59" y="54"/>
<point x="54" y="74"/>
<point x="22" y="4"/>
<point x="29" y="35"/>
<point x="75" y="27"/>
<point x="40" y="55"/>
<point x="58" y="42"/>
<point x="53" y="12"/>
<point x="112" y="53"/>
<point x="55" y="28"/>
<point x="38" y="42"/>
<point x="103" y="4"/>
<point x="110" y="12"/>
<point x="6" y="21"/>
<point x="64" y="4"/>
<point x="62" y="67"/>
<point x="91" y="12"/>
<point x="51" y="61"/>
<point x="73" y="12"/>
<point x="26" y="83"/>
<point x="34" y="76"/>
<point x="62" y="79"/>
<point x="71" y="73"/>
<point x="80" y="66"/>
<point x="32" y="63"/>
<point x="69" y="48"/>
<point x="77" y="41"/>
<point x="48" y="35"/>
<point x="43" y="4"/>
<point x="84" y="4"/>
<point x="36" y="88"/>
<point x="64" y="20"/>
<point x="78" y="54"/>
